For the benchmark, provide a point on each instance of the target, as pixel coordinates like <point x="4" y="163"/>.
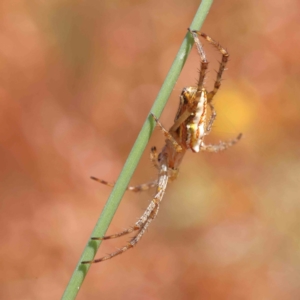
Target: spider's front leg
<point x="148" y="216"/>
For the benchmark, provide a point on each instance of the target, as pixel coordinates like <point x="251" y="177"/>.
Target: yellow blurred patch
<point x="236" y="108"/>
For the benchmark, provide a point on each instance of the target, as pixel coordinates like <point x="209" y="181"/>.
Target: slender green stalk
<point x="134" y="156"/>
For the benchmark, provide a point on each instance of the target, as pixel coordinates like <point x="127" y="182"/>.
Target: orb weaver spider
<point x="188" y="132"/>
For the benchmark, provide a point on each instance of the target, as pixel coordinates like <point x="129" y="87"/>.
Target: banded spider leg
<point x="187" y="132"/>
<point x="143" y="186"/>
<point x="144" y="221"/>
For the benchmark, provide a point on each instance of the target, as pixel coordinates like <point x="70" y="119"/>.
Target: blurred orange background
<point x="78" y="79"/>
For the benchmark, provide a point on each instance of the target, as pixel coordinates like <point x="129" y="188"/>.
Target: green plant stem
<point x="134" y="156"/>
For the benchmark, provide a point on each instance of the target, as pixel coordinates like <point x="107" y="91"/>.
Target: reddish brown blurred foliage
<point x="77" y="81"/>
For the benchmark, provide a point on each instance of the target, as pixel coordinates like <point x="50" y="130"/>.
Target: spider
<point x="187" y="132"/>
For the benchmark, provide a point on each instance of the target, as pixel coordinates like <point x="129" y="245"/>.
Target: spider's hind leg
<point x="225" y="57"/>
<point x="154" y="157"/>
<point x="212" y="118"/>
<point x="221" y="146"/>
<point x="167" y="134"/>
<point x="203" y="60"/>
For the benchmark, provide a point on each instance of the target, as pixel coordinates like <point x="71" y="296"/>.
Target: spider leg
<point x="181" y="119"/>
<point x="225" y="56"/>
<point x="221" y="146"/>
<point x="116" y="235"/>
<point x="167" y="134"/>
<point x="135" y="188"/>
<point x="132" y="242"/>
<point x="203" y="63"/>
<point x="154" y="157"/>
<point x="141" y="187"/>
<point x="212" y="118"/>
<point x="148" y="216"/>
